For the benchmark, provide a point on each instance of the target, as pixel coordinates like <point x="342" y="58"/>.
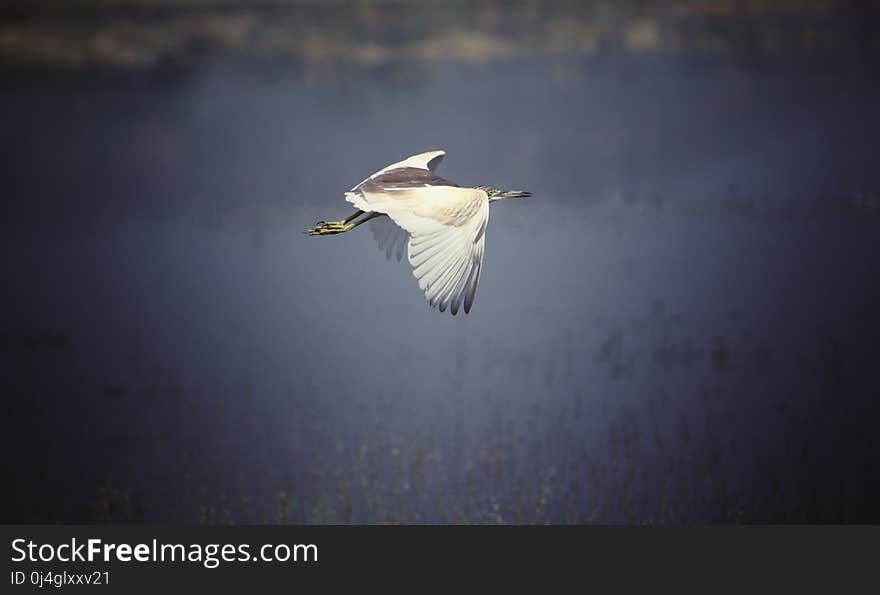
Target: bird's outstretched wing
<point x="447" y="226"/>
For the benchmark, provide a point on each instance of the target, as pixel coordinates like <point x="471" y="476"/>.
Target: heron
<point x="442" y="225"/>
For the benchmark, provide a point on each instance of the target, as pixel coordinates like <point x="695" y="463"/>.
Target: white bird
<point x="445" y="224"/>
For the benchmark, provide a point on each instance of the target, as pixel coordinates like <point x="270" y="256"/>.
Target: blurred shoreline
<point x="138" y="35"/>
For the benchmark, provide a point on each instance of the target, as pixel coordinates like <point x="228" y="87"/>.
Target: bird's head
<point x="498" y="194"/>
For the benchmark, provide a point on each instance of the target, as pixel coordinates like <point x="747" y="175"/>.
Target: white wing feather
<point x="447" y="227"/>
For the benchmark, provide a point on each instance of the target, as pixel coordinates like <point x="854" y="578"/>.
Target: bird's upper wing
<point x="427" y="161"/>
<point x="447" y="226"/>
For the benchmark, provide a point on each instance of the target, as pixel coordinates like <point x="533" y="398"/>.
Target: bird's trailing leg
<point x="323" y="228"/>
<point x="331" y="227"/>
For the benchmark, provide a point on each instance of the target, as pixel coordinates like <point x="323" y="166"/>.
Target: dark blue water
<point x="680" y="326"/>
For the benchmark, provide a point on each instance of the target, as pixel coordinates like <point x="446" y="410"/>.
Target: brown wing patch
<point x="404" y="177"/>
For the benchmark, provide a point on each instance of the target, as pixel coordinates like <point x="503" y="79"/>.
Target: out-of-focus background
<point x="681" y="326"/>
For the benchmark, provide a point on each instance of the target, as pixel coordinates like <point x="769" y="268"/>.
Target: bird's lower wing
<point x="447" y="228"/>
<point x="447" y="264"/>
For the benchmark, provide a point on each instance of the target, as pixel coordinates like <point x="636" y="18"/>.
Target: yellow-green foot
<point x="324" y="228"/>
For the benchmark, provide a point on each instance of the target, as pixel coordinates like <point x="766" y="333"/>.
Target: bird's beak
<point x="516" y="194"/>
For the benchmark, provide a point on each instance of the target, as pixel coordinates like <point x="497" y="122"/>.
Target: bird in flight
<point x="442" y="225"/>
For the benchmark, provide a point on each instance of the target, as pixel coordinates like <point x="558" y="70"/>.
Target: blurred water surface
<point x="680" y="326"/>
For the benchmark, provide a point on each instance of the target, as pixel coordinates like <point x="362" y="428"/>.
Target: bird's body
<point x="445" y="224"/>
